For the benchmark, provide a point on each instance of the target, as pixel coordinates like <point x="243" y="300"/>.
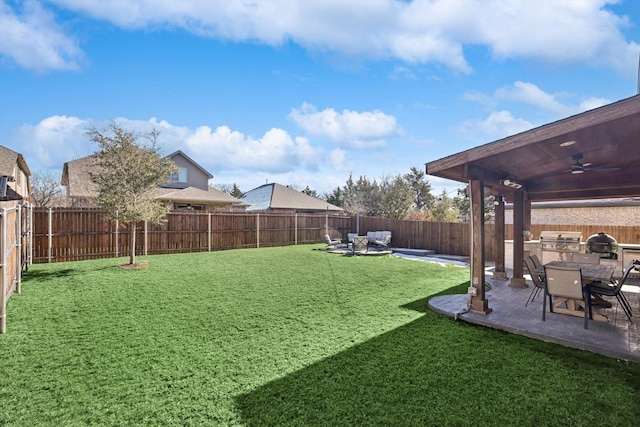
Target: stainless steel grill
<point x="557" y="245"/>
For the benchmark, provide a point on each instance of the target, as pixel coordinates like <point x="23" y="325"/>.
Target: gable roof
<point x="196" y="195"/>
<point x="8" y="161"/>
<point x="276" y="196"/>
<point x="75" y="176"/>
<point x="542" y="159"/>
<point x="180" y="153"/>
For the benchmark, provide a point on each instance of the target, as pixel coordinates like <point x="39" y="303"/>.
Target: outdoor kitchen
<point x="569" y="246"/>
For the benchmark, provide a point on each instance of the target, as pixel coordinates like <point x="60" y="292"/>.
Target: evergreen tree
<point x="396" y="198"/>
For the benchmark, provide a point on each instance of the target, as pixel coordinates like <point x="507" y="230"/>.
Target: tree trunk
<point x="132" y="254"/>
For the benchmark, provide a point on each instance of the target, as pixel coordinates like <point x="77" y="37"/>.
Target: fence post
<point x="145" y="237"/>
<point x="29" y="234"/>
<point x="326" y="222"/>
<point x="19" y="248"/>
<point x="117" y="242"/>
<point x="50" y="249"/>
<point x="3" y="267"/>
<point x="257" y="230"/>
<point x="209" y="231"/>
<point x="295" y="225"/>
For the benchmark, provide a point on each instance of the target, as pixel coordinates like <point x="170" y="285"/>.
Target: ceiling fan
<point x="579" y="167"/>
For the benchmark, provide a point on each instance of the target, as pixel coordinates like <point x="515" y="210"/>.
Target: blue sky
<point x="306" y="92"/>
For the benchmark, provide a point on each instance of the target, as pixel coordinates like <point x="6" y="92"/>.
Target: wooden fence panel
<point x="86" y="234"/>
<point x="15" y="234"/>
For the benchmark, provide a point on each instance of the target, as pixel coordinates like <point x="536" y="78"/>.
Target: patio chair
<point x="379" y="238"/>
<point x="536" y="261"/>
<point x="538" y="280"/>
<point x="332" y="243"/>
<point x="565" y="283"/>
<point x="615" y="290"/>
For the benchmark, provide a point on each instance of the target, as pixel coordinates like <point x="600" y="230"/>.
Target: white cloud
<point x="54" y="140"/>
<point x="338" y="160"/>
<point x="529" y="93"/>
<point x="499" y="124"/>
<point x="34" y="41"/>
<point x="275" y="151"/>
<point x="591" y="103"/>
<point x="58" y="139"/>
<point x="420" y="31"/>
<point x="350" y="128"/>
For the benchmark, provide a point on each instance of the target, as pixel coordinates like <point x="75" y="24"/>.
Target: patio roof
<point x="541" y="159"/>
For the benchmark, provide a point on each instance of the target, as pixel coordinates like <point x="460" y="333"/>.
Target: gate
<point x="15" y="250"/>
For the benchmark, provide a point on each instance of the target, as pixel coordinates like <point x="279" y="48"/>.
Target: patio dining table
<point x="590" y="273"/>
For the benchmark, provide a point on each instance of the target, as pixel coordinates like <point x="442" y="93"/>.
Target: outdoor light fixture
<point x="511" y="184"/>
<point x="567" y="143"/>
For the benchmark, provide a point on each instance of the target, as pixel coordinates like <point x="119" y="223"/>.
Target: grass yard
<point x="283" y="336"/>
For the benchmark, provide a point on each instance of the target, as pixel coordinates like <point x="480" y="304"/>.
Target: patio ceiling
<point x="607" y="137"/>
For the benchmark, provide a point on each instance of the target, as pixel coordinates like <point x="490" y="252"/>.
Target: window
<point x="180" y="175"/>
<point x="188" y="207"/>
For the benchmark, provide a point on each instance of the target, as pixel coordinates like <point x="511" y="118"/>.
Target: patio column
<point x="479" y="304"/>
<point x="518" y="280"/>
<point x="499" y="271"/>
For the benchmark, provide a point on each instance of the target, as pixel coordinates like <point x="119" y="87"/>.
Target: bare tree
<point x="46" y="190"/>
<point x="129" y="169"/>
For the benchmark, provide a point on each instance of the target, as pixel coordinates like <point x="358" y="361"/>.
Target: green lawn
<point x="283" y="336"/>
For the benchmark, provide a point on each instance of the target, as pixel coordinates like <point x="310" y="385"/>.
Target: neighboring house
<point x="188" y="190"/>
<point x="278" y="198"/>
<point x="14" y="176"/>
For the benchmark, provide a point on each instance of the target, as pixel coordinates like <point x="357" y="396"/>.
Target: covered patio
<point x="592" y="155"/>
<point x="616" y="338"/>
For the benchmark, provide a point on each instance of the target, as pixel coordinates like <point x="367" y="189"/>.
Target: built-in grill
<point x="603" y="244"/>
<point x="557" y="245"/>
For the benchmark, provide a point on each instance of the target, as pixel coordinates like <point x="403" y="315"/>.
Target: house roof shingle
<point x="276" y="196"/>
<point x="8" y="160"/>
<point x="196" y="195"/>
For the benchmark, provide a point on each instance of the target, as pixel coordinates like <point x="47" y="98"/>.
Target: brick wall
<point x="582" y="215"/>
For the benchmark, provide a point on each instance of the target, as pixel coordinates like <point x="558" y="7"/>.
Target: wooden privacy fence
<point x="452" y="238"/>
<point x="455" y="238"/>
<point x="15" y="240"/>
<point x="64" y="234"/>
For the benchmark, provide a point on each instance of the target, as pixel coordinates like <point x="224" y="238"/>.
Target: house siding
<point x="195" y="176"/>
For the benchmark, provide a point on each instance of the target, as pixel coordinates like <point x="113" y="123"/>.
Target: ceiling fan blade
<point x="602" y="169"/>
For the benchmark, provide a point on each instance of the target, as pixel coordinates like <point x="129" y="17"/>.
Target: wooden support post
<point x="479" y="303"/>
<point x="518" y="280"/>
<point x="499" y="271"/>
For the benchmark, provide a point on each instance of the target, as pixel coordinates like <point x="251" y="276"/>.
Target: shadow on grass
<point x="422" y="305"/>
<point x="47" y="274"/>
<point x="437" y="371"/>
